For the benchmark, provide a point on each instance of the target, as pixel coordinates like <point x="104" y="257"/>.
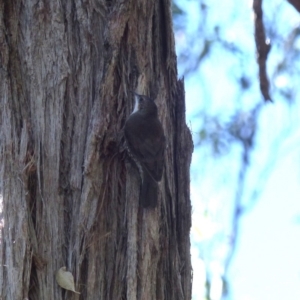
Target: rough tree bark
<point x="70" y="193"/>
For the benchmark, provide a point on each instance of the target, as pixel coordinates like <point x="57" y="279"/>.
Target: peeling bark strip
<point x="262" y="48"/>
<point x="70" y="194"/>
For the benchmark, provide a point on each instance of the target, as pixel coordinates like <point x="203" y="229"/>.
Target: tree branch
<point x="296" y="4"/>
<point x="263" y="48"/>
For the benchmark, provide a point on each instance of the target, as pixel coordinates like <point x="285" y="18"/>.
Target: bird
<point x="146" y="142"/>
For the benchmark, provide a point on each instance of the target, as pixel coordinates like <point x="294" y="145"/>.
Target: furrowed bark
<point x="70" y="193"/>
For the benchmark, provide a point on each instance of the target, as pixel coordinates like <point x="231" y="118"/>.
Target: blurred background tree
<point x="242" y="142"/>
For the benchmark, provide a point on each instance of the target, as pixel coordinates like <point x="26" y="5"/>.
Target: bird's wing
<point x="148" y="146"/>
<point x="152" y="150"/>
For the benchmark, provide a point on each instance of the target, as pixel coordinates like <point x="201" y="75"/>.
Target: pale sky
<point x="267" y="260"/>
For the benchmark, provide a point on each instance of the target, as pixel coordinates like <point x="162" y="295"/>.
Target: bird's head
<point x="144" y="105"/>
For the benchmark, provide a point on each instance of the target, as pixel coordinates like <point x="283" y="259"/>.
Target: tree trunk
<point x="70" y="192"/>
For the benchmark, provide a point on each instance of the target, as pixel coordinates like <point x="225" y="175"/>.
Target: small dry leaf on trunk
<point x="65" y="279"/>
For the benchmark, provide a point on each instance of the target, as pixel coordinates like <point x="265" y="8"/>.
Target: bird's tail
<point x="149" y="191"/>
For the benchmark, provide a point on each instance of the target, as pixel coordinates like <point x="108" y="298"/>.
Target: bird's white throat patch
<point x="136" y="105"/>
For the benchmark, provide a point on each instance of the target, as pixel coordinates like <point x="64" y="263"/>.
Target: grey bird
<point x="146" y="145"/>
